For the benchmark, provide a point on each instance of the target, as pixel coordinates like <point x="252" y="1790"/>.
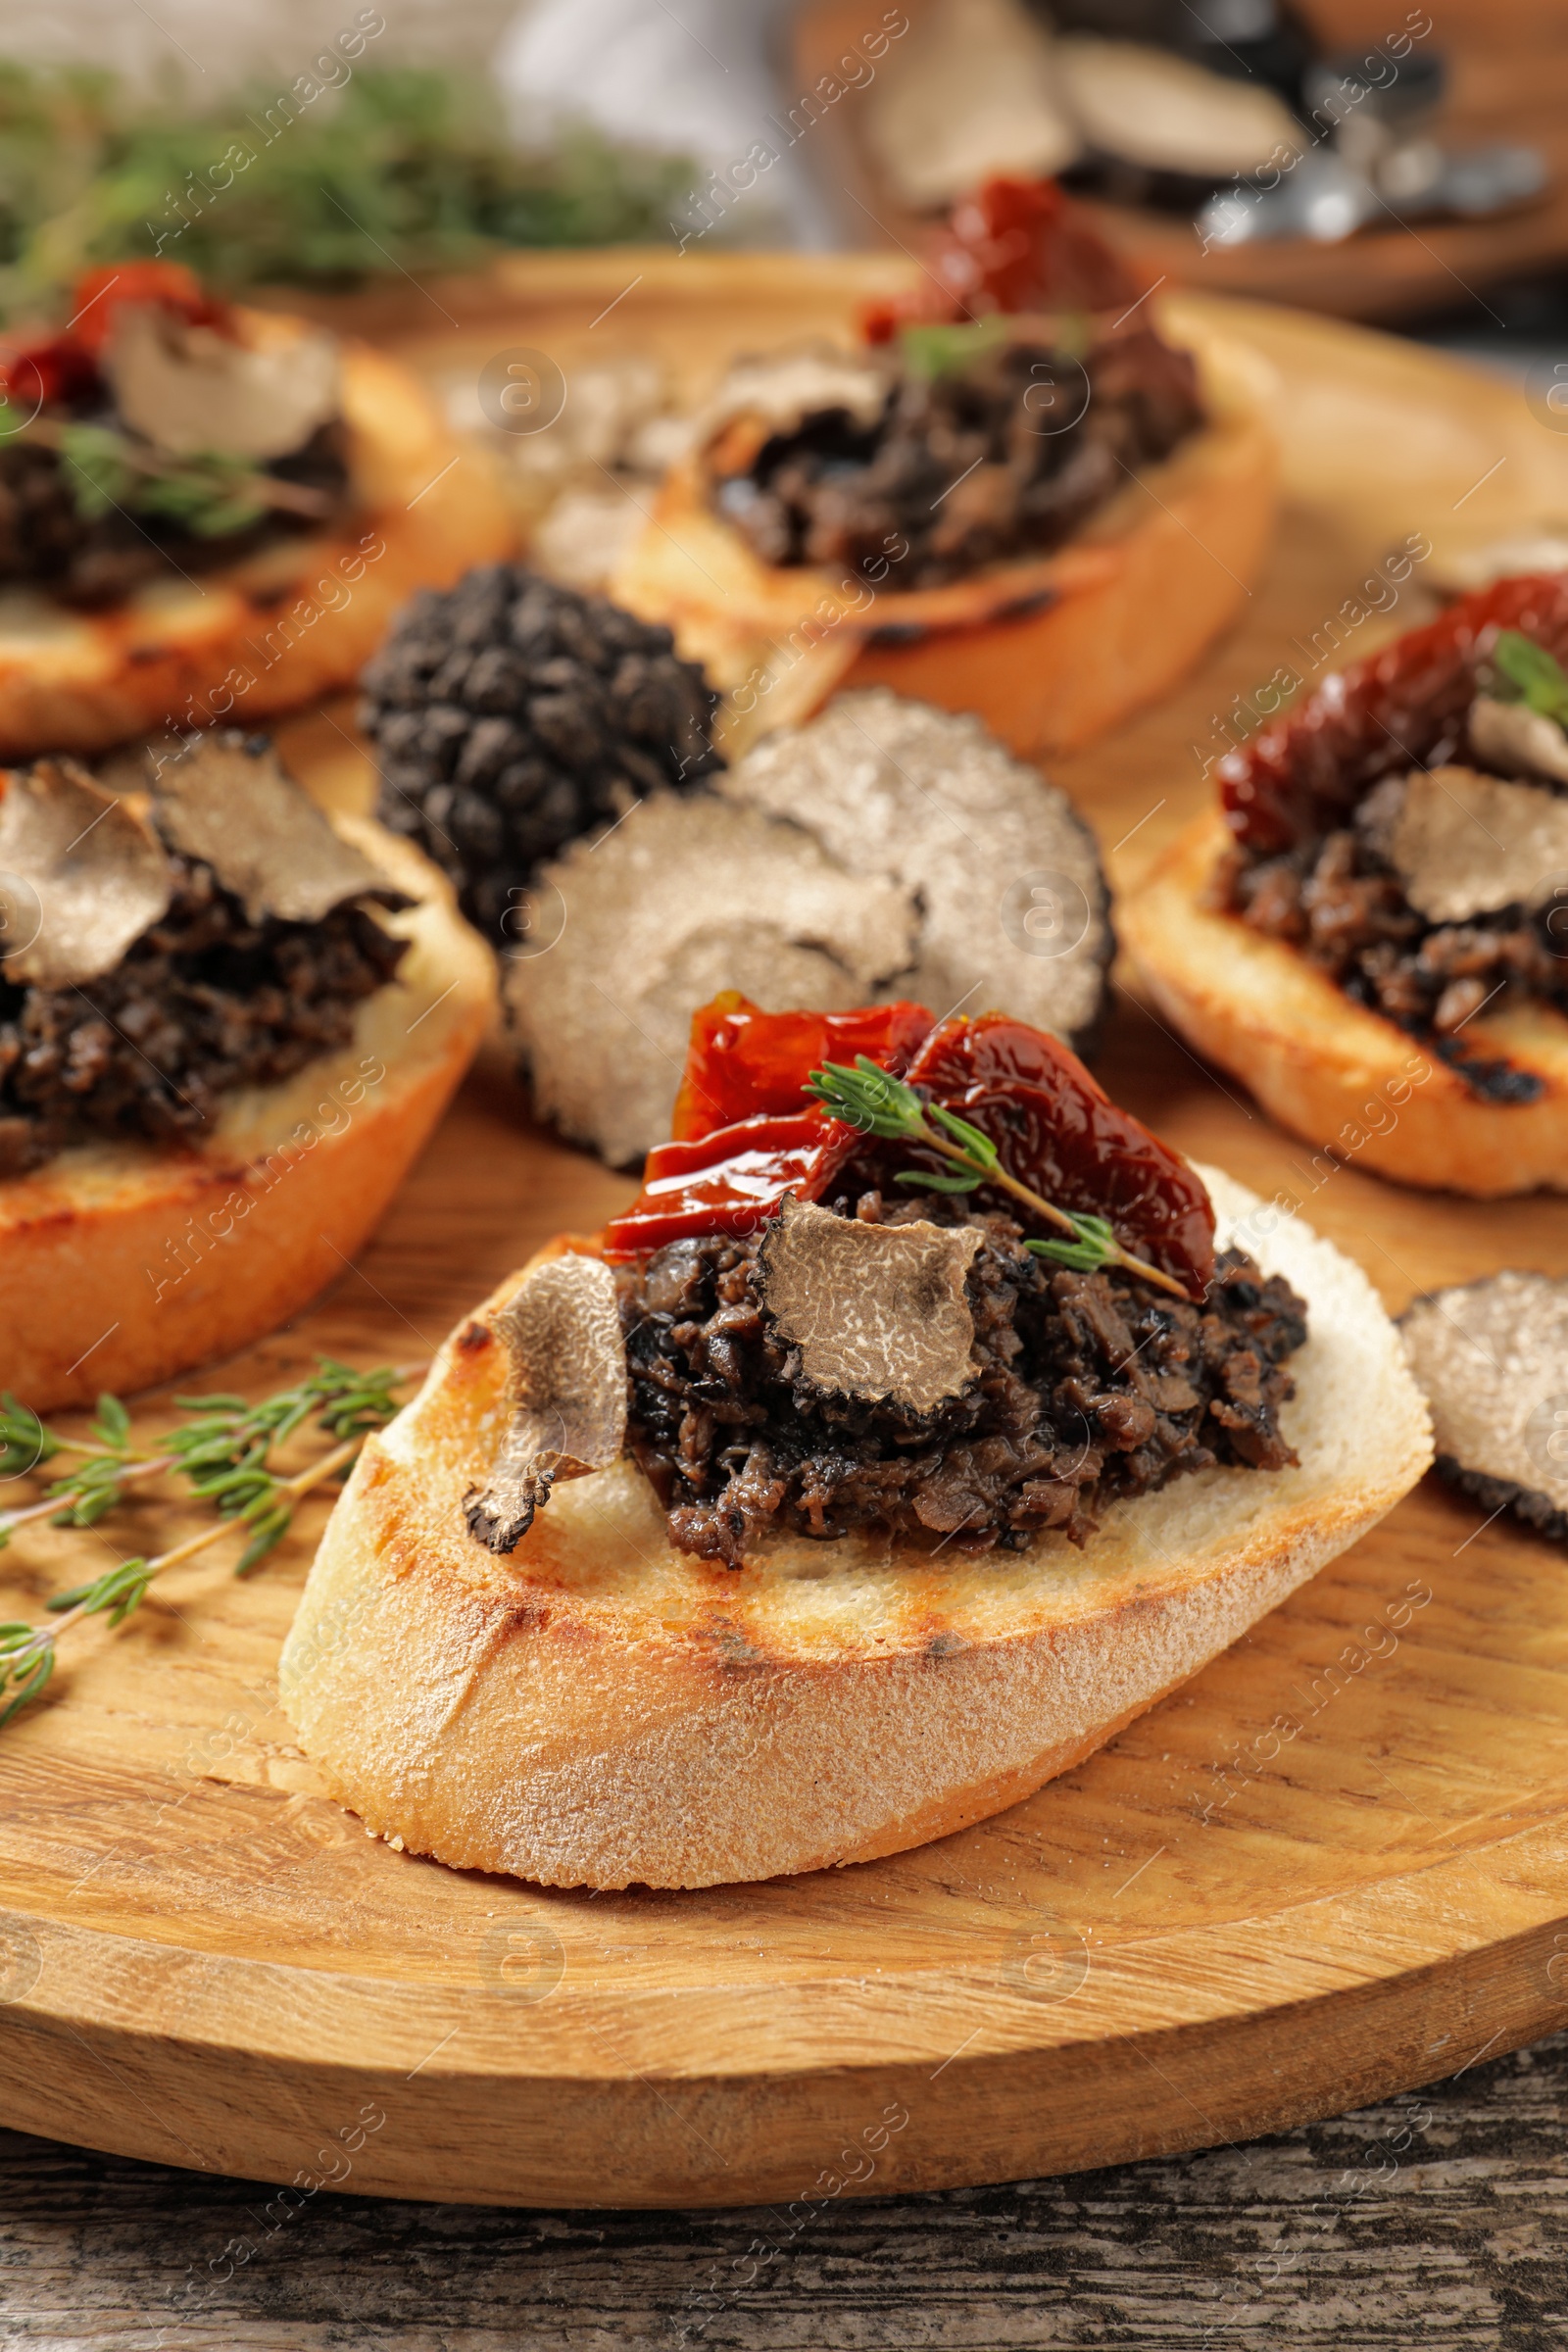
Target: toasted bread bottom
<point x="1343" y="1078"/>
<point x="599" y="1709"/>
<point x="1050" y="653"/>
<point x="298" y="621"/>
<point x="121" y="1264"/>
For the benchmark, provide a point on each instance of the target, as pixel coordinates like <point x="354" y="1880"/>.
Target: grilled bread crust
<point x="1344" y="1079"/>
<point x="293" y="622"/>
<point x="598" y="1709"/>
<point x="1050" y="653"/>
<point x="126" y="1263"/>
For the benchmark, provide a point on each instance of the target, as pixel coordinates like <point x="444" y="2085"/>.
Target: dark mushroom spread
<point x="1074" y="1383"/>
<point x="226" y="984"/>
<point x="149" y="439"/>
<point x="987" y="442"/>
<point x="1087" y="1387"/>
<point x="1407" y="829"/>
<point x="1004" y="397"/>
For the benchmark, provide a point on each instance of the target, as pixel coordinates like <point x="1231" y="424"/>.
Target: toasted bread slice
<point x="1050" y="653"/>
<point x="599" y="1709"/>
<point x="124" y="1263"/>
<point x="1343" y="1078"/>
<point x="297" y="620"/>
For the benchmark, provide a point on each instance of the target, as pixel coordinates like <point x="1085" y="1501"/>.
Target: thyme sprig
<point x="211" y="495"/>
<point x="221" y="1453"/>
<point x="872" y="1100"/>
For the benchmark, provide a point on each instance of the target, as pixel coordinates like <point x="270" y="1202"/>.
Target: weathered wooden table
<point x="1441" y="2217"/>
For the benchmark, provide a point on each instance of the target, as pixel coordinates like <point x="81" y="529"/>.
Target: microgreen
<point x="872" y="1100"/>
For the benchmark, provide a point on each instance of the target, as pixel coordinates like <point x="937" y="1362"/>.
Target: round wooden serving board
<point x="1334" y="1865"/>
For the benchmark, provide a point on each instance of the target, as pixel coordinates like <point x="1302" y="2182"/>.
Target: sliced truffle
<point x="1518" y="741"/>
<point x="877" y="1312"/>
<point x="1014" y="905"/>
<point x="566" y="1392"/>
<point x="190" y="390"/>
<point x="1465" y="843"/>
<point x="886" y="850"/>
<point x="1491" y="1358"/>
<point x="226" y="800"/>
<point x="777" y="393"/>
<point x="685" y="898"/>
<point x="83" y="874"/>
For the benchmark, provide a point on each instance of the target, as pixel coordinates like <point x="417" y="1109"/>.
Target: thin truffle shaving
<point x="877" y="1312"/>
<point x="1467" y="844"/>
<point x="83" y="874"/>
<point x="566" y="1392"/>
<point x="226" y="800"/>
<point x="1491" y="1358"/>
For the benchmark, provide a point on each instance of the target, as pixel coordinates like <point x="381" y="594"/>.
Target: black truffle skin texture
<point x="509" y="715"/>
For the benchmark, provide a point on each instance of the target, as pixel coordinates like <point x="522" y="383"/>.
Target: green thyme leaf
<point x="112" y="1427"/>
<point x="933" y="351"/>
<point x="24" y="1442"/>
<point x="922" y="1180"/>
<point x="1097" y="1245"/>
<point x="30" y="1685"/>
<point x="120" y="1590"/>
<point x="1540" y="681"/>
<point x="979" y="1146"/>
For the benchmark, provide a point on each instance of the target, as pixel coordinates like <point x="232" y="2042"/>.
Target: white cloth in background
<point x="693" y="77"/>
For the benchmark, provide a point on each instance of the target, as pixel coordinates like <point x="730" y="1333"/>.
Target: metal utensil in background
<point x="1377" y="161"/>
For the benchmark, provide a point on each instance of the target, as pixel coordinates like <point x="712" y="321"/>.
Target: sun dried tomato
<point x="1053" y="1128"/>
<point x="168" y="284"/>
<point x="62" y="366"/>
<point x="1400" y="709"/>
<point x="731" y="1180"/>
<point x="1059" y="1133"/>
<point x="743" y="1061"/>
<point x="1014" y="246"/>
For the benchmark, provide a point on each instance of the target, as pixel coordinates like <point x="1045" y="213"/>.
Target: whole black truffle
<point x="510" y="716"/>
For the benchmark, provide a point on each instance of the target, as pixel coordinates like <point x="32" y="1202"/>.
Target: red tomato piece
<point x="100" y="293"/>
<point x="730" y="1180"/>
<point x="1400" y="709"/>
<point x="743" y="1061"/>
<point x="1014" y="246"/>
<point x="1059" y="1133"/>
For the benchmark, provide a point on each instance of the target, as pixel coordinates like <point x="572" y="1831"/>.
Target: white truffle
<point x="685" y="897"/>
<point x="1014" y="909"/>
<point x="225" y="798"/>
